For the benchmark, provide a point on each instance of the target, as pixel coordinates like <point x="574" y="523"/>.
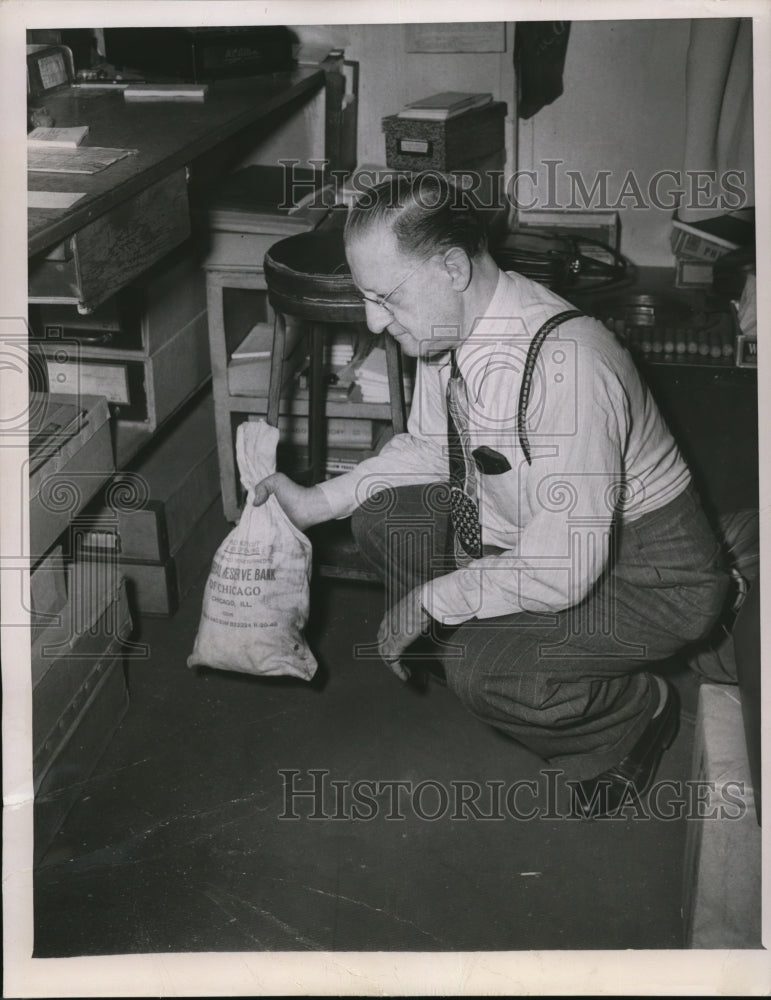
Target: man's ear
<point x="458" y="267"/>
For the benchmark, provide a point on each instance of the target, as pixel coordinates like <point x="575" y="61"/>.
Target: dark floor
<point x="178" y="843"/>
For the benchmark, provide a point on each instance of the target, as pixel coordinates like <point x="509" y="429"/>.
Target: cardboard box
<point x="63" y="685"/>
<point x="48" y="590"/>
<point x="746" y="351"/>
<point x="722" y="871"/>
<point x="83" y="743"/>
<point x="171" y="489"/>
<point x="156" y="588"/>
<point x="711" y="239"/>
<point x="458" y="142"/>
<point x="693" y="273"/>
<point x="248" y="370"/>
<point x="79" y="697"/>
<point x="71" y="457"/>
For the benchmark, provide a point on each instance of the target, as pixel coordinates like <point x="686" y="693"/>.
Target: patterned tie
<point x="464" y="513"/>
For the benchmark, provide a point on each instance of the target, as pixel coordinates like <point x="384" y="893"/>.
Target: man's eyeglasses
<point x="382" y="300"/>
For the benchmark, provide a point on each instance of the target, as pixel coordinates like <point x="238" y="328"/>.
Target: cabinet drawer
<point x="85" y="740"/>
<point x="71" y="456"/>
<point x="141" y="387"/>
<point x="114" y="249"/>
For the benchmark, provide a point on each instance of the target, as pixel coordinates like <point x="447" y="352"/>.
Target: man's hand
<point x="303" y="505"/>
<point x="400" y="627"/>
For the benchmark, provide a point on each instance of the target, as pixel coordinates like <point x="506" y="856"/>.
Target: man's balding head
<point x="426" y="213"/>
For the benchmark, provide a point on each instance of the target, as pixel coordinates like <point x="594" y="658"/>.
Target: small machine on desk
<point x="49" y="68"/>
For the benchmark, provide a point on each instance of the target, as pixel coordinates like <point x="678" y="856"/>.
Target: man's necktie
<point x="464" y="513"/>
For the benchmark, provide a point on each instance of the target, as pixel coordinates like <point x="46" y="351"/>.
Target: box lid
<point x="83" y="626"/>
<point x="60" y="427"/>
<point x="466" y="121"/>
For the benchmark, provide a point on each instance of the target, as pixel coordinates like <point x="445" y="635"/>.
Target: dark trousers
<point x="572" y="685"/>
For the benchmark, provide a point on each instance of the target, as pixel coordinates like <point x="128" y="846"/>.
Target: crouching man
<point x="537" y="516"/>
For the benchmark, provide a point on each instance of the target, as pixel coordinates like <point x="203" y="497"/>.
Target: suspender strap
<point x="527" y="377"/>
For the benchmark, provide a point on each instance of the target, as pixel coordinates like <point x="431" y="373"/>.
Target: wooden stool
<point x="234" y="263"/>
<point x="308" y="278"/>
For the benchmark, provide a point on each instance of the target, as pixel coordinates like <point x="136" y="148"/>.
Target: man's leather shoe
<point x="422" y="671"/>
<point x="631" y="778"/>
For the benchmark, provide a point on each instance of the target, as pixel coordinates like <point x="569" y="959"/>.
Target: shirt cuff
<point x="446" y="602"/>
<point x="341" y="495"/>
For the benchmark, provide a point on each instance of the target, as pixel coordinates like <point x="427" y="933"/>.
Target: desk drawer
<point x="141" y="388"/>
<point x="66" y="468"/>
<point x="116" y="248"/>
<point x="86" y="738"/>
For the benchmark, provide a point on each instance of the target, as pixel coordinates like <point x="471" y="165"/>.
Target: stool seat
<point x="308" y="277"/>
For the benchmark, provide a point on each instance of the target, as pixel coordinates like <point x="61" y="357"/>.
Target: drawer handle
<point x="105" y="337"/>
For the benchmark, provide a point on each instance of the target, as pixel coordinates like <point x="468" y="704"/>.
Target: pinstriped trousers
<point x="573" y="686"/>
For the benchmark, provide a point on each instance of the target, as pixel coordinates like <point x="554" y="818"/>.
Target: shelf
<point x="707" y="364"/>
<point x="335" y="553"/>
<point x="130" y="438"/>
<point x="299" y="407"/>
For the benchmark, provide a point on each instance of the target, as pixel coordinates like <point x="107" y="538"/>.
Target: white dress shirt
<point x="599" y="447"/>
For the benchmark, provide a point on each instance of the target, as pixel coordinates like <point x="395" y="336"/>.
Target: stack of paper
<point x="372" y="378"/>
<point x="48" y="158"/>
<point x="448" y="104"/>
<point x="339" y="351"/>
<point x="63" y="138"/>
<point x="166" y="92"/>
<point x="262" y="199"/>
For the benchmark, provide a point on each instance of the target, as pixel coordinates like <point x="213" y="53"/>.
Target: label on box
<point x="746" y="351"/>
<point x="96" y="380"/>
<point x="421" y="147"/>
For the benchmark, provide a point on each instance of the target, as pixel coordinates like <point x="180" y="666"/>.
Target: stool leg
<point x="276" y="369"/>
<point x="317" y="423"/>
<point x="222" y="418"/>
<point x="395" y="385"/>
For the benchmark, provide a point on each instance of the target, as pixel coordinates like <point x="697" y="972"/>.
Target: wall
<point x="390" y="77"/>
<point x="623" y="109"/>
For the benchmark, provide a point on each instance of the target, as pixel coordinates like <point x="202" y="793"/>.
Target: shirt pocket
<point x="499" y="506"/>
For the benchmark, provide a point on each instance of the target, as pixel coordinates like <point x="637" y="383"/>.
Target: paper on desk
<point x="84" y="160"/>
<point x="69" y="137"/>
<point x="53" y="199"/>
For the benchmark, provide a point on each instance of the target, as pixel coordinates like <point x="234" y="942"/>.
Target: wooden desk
<point x="167" y="137"/>
<point x="136" y="210"/>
